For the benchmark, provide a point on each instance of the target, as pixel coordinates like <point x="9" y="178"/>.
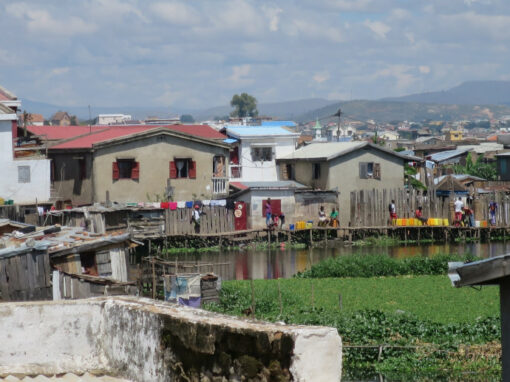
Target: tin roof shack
<point x="8" y="226"/>
<point x="295" y="200"/>
<point x="62" y="262"/>
<point x="493" y="271"/>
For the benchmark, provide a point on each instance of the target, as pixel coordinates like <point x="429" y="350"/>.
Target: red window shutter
<point x="115" y="171"/>
<point x="192" y="169"/>
<point x="173" y="170"/>
<point x="135" y="170"/>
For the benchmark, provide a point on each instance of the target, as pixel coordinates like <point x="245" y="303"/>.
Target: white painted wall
<point x="256" y="198"/>
<point x="258" y="170"/>
<point x="38" y="189"/>
<point x="125" y="335"/>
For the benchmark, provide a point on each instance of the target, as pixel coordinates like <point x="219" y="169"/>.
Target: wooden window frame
<point x="370" y="170"/>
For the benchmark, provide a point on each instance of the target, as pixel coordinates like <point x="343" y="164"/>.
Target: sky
<point x="196" y="54"/>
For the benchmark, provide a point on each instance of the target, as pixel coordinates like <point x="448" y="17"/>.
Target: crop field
<point x="427" y="327"/>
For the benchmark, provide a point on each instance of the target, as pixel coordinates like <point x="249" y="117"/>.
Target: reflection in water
<point x="284" y="263"/>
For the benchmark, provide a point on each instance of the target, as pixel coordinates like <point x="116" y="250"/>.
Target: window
<point x="316" y="170"/>
<point x="219" y="166"/>
<point x="82" y="167"/>
<point x="23" y="174"/>
<point x="126" y="169"/>
<point x="183" y="168"/>
<point x="369" y="170"/>
<point x="287" y="171"/>
<point x="262" y="154"/>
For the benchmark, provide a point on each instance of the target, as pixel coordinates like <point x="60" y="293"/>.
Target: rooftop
<point x="103" y="134"/>
<point x="279" y="184"/>
<point x="259" y="131"/>
<point x="331" y="150"/>
<point x="279" y="123"/>
<point x="445" y="155"/>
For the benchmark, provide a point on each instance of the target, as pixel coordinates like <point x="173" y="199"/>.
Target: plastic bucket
<point x="291" y="227"/>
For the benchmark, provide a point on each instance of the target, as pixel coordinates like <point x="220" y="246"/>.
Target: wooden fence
<point x="369" y="208"/>
<point x="215" y="219"/>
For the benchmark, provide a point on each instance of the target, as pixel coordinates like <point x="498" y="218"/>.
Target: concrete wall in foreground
<point x="143" y="340"/>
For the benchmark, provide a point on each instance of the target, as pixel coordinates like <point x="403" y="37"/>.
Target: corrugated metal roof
<point x="482" y="148"/>
<point x="259" y="131"/>
<point x="283" y="184"/>
<point x="331" y="150"/>
<point x="445" y="155"/>
<point x="279" y="123"/>
<point x="326" y="150"/>
<point x="459" y="177"/>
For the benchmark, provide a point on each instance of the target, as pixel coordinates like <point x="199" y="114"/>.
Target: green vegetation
<point x="244" y="105"/>
<point x="428" y="329"/>
<point x="381" y="265"/>
<point x="479" y="168"/>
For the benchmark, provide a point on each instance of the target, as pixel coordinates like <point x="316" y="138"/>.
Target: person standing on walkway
<point x="333" y="218"/>
<point x="493" y="206"/>
<point x="269" y="212"/>
<point x="458" y="211"/>
<point x="393" y="211"/>
<point x="195" y="217"/>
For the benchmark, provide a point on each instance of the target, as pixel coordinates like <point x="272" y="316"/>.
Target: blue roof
<point x="279" y="123"/>
<point x="259" y="131"/>
<point x="445" y="155"/>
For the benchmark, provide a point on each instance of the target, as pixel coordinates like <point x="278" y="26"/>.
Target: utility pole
<point x="338" y="114"/>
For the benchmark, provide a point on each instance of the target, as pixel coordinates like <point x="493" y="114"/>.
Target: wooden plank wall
<point x="369" y="208"/>
<point x="216" y="220"/>
<point x="26" y="277"/>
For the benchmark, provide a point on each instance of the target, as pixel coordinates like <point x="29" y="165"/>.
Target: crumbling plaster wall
<point x="145" y="340"/>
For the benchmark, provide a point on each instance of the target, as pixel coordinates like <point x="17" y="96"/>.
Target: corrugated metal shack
<point x="62" y="262"/>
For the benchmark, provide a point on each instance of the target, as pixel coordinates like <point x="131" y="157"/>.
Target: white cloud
<point x="41" y="21"/>
<point x="273" y="14"/>
<point x="315" y="31"/>
<point x="176" y="12"/>
<point x="424" y="69"/>
<point x="59" y="71"/>
<point x="321" y="77"/>
<point x="378" y="27"/>
<point x="404" y="79"/>
<point x="239" y="76"/>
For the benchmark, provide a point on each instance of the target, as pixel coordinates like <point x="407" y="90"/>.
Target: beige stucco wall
<point x="67" y="183"/>
<point x="342" y="175"/>
<point x="154" y="155"/>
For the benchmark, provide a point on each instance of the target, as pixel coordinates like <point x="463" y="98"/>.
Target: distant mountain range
<point x="467" y="93"/>
<point x="470" y="100"/>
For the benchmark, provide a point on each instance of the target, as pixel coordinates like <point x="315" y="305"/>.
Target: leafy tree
<point x="187" y="118"/>
<point x="410" y="180"/>
<point x="479" y="168"/>
<point x="245" y="105"/>
<point x="74" y="120"/>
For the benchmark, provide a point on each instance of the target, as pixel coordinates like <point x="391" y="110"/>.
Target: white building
<point x="254" y="156"/>
<point x="23" y="180"/>
<point x="112" y="119"/>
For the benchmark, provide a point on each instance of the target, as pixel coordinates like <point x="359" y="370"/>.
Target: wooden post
<point x="504" y="297"/>
<point x="326" y="236"/>
<point x="280" y="298"/>
<point x="311" y="237"/>
<point x="153" y="278"/>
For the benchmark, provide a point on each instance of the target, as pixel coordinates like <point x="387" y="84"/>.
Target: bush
<point x="381" y="265"/>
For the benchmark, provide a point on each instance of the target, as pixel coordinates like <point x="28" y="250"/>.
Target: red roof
<point x="106" y="133"/>
<point x="62" y="132"/>
<point x="239" y="185"/>
<point x="202" y="131"/>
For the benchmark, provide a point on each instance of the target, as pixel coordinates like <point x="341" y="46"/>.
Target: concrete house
<point x="135" y="164"/>
<point x="25" y="172"/>
<point x="61" y="118"/>
<point x="255" y="150"/>
<point x="344" y="167"/>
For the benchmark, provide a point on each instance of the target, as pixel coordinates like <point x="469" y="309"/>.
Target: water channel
<point x="245" y="264"/>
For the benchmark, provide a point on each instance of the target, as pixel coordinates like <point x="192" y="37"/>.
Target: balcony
<point x="220" y="186"/>
<point x="236" y="171"/>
